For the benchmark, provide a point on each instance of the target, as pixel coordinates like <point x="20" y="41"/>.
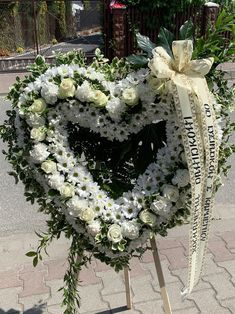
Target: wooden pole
<point x="164" y="294"/>
<point x="128" y="288"/>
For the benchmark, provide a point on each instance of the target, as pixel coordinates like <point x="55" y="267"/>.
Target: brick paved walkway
<point x="24" y="289"/>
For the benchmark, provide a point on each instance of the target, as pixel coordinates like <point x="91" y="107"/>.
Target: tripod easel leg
<point x="128" y="288"/>
<point x="164" y="294"/>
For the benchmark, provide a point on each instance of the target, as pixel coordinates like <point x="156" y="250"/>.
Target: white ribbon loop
<point x="199" y="133"/>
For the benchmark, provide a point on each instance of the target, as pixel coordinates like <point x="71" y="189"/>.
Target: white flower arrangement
<point x="65" y="120"/>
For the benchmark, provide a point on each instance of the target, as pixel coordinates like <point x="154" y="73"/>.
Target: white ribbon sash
<point x="197" y="122"/>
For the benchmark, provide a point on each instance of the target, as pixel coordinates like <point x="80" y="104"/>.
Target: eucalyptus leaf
<point x="165" y="39"/>
<point x="137" y="60"/>
<point x="145" y="44"/>
<point x="186" y="31"/>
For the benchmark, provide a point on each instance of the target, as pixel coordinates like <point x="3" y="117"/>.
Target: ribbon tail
<point x="211" y="148"/>
<point x="193" y="145"/>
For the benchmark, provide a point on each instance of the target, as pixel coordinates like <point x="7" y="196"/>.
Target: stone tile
<point x="56" y="296"/>
<point x="136" y="268"/>
<point x="99" y="266"/>
<point x="147" y="257"/>
<point x="210" y="267"/>
<point x="117" y="303"/>
<point x="168" y="277"/>
<point x="165" y="243"/>
<point x="230" y="267"/>
<point x="9" y="300"/>
<point x="188" y="310"/>
<point x="87" y="276"/>
<point x="176" y="257"/>
<point x="182" y="275"/>
<point x="55" y="309"/>
<point x="91" y="299"/>
<point x="112" y="282"/>
<point x="222" y="284"/>
<point x="143" y="290"/>
<point x="219" y="250"/>
<point x="153" y="307"/>
<point x="34" y="283"/>
<point x="206" y="302"/>
<point x="35" y="304"/>
<point x="56" y="269"/>
<point x="176" y="301"/>
<point x="229" y="303"/>
<point x="229" y="238"/>
<point x="10" y="279"/>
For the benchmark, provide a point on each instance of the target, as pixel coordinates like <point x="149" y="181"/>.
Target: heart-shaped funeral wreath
<point x="100" y="147"/>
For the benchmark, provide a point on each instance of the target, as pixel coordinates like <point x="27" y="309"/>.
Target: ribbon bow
<point x="196" y="119"/>
<point x="165" y="67"/>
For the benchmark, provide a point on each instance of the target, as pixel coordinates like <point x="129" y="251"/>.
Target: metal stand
<point x="164" y="294"/>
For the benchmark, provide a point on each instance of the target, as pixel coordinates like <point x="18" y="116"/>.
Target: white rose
<point x="130" y="96"/>
<point x="67" y="88"/>
<point x="37" y="134"/>
<point x="148" y="218"/>
<point x="161" y="206"/>
<point x="170" y="192"/>
<point x="50" y="92"/>
<point x="181" y="178"/>
<point x="67" y="190"/>
<point x="84" y="92"/>
<point x="49" y="166"/>
<point x="87" y="214"/>
<point x="115" y="233"/>
<point x="156" y="84"/>
<point x="130" y="230"/>
<point x="38" y="106"/>
<point x="39" y="153"/>
<point x="94" y="228"/>
<point x="56" y="180"/>
<point x="99" y="99"/>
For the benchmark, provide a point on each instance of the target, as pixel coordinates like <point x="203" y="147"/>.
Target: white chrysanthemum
<point x="170" y="192"/>
<point x="84" y="92"/>
<point x="35" y="120"/>
<point x="181" y="178"/>
<point x="94" y="227"/>
<point x="130" y="229"/>
<point x="161" y="206"/>
<point x="39" y="153"/>
<point x="49" y="92"/>
<point x="56" y="180"/>
<point x="115" y="108"/>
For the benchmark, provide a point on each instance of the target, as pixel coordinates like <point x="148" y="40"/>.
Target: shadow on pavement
<point x="113" y="311"/>
<point x="37" y="309"/>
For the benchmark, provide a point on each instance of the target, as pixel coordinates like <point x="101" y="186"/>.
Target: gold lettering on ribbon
<point x="200" y="139"/>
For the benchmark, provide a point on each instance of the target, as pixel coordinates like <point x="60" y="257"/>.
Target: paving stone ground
<point x="25" y="289"/>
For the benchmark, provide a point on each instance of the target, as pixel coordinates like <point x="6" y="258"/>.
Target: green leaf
<point x="137" y="60"/>
<point x="35" y="261"/>
<point x="186" y="30"/>
<point x="145" y="44"/>
<point x="165" y="39"/>
<point x="31" y="253"/>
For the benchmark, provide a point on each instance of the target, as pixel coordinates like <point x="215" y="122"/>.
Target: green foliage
<point x="214" y="44"/>
<point x="167" y="9"/>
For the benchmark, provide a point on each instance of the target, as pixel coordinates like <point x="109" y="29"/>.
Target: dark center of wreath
<point x="115" y="165"/>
